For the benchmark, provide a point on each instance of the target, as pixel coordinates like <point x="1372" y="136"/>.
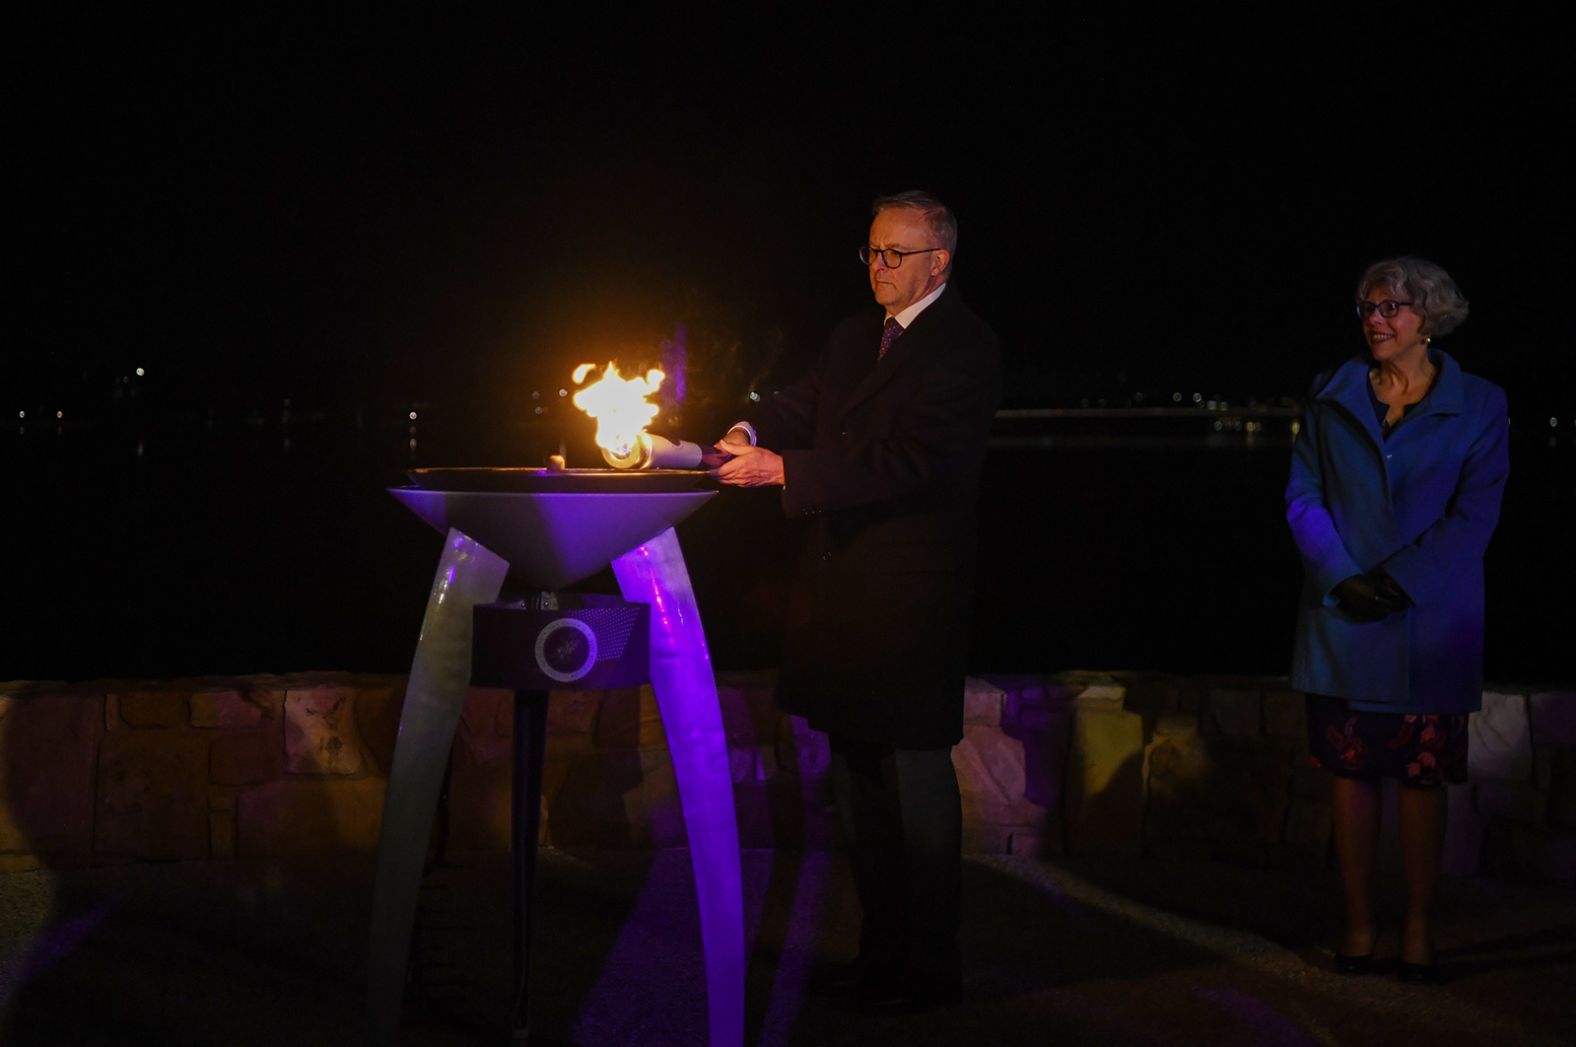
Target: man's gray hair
<point x="936" y="214"/>
<point x="1434" y="296"/>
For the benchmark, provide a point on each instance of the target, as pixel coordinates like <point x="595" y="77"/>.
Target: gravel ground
<point x="1116" y="951"/>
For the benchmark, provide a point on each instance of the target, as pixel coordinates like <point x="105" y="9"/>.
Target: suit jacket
<point x="883" y="460"/>
<point x="1422" y="505"/>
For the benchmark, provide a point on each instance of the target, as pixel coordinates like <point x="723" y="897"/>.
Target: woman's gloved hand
<point x="1369" y="599"/>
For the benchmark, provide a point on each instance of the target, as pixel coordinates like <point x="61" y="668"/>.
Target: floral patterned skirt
<point x="1422" y="749"/>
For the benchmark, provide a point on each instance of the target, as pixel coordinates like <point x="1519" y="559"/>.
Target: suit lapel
<point x="907" y="346"/>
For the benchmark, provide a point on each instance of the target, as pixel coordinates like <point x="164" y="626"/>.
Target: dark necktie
<point x="889" y="334"/>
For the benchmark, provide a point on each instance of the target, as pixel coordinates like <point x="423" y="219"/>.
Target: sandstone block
<point x="1538" y="852"/>
<point x="1155" y="695"/>
<point x="295" y="816"/>
<point x="484" y="714"/>
<point x="221" y="834"/>
<point x="986" y="838"/>
<point x="802" y="751"/>
<point x="1500" y="735"/>
<point x="1234" y="712"/>
<point x="246" y="758"/>
<point x="1026" y="844"/>
<point x="1217" y="790"/>
<point x="1285" y="714"/>
<point x="1176" y="725"/>
<point x="1464" y="829"/>
<point x="320" y="732"/>
<point x="15" y="862"/>
<point x="481" y="806"/>
<point x="1101" y="694"/>
<point x="1308" y="826"/>
<point x="1562" y="788"/>
<point x="1517" y="801"/>
<point x="982" y="702"/>
<point x="1105" y="782"/>
<point x="1311" y="783"/>
<point x="485" y="734"/>
<point x="377" y="708"/>
<point x="49" y="745"/>
<point x="752" y="807"/>
<point x="573" y="712"/>
<point x="991" y="777"/>
<point x="153" y="708"/>
<point x="1553" y="716"/>
<point x="618" y="798"/>
<point x="112" y="717"/>
<point x="749" y="708"/>
<point x="153" y="796"/>
<point x="227" y="709"/>
<point x="630" y="719"/>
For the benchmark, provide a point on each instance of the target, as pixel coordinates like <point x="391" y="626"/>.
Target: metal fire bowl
<point x="562" y="481"/>
<point x="556" y="527"/>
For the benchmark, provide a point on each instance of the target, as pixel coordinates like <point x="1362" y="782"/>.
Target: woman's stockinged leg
<point x="1355" y="826"/>
<point x="1422" y="830"/>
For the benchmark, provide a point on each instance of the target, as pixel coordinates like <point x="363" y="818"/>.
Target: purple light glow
<point x="686" y="691"/>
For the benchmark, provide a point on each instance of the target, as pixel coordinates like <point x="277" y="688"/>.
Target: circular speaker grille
<point x="565" y="650"/>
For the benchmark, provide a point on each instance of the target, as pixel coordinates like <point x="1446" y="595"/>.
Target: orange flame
<point x="620" y="407"/>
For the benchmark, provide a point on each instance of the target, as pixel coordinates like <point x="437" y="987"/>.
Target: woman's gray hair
<point x="1434" y="296"/>
<point x="937" y="215"/>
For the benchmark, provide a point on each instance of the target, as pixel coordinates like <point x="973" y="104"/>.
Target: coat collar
<point x="1348" y="386"/>
<point x="911" y="342"/>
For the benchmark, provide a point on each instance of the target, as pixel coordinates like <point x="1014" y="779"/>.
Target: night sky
<point x="361" y="211"/>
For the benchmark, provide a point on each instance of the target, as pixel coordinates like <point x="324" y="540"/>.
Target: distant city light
<point x="413" y="416"/>
<point x="755" y="396"/>
<point x="1176" y="398"/>
<point x="60" y="414"/>
<point x="535" y="395"/>
<point x="140" y="372"/>
<point x="1211" y="404"/>
<point x="21" y="414"/>
<point x="1198" y="398"/>
<point x="563" y="392"/>
<point x="539" y="410"/>
<point x="1554" y="423"/>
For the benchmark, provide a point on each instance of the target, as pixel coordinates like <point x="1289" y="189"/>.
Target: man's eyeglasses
<point x="891" y="256"/>
<point x="1386" y="308"/>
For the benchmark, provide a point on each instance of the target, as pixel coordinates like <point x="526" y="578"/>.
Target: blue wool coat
<point x="1422" y="505"/>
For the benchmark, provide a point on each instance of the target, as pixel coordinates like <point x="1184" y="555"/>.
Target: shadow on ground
<point x="1119" y="951"/>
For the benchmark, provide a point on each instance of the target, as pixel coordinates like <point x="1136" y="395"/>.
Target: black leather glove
<point x="1389" y="589"/>
<point x="1360" y="598"/>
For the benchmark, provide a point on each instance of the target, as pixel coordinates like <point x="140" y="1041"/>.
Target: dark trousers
<point x="903" y="818"/>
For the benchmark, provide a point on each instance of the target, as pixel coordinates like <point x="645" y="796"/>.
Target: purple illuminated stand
<point x="551" y="530"/>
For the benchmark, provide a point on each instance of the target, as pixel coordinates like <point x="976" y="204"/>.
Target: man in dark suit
<point x="881" y="446"/>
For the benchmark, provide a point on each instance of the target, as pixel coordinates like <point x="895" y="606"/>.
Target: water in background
<point x="273" y="548"/>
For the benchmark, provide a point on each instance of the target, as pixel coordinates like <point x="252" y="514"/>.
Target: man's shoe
<point x="909" y="995"/>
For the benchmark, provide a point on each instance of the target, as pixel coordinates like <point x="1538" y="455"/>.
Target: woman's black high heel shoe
<point x="1418" y="973"/>
<point x="1357" y="964"/>
<point x="1354" y="964"/>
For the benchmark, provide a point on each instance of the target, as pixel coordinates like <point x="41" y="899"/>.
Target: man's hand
<point x="749" y="466"/>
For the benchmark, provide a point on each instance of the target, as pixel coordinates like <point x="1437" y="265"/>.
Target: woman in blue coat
<point x="1395" y="488"/>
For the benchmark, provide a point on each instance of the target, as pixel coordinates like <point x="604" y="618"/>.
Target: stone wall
<point x="1073" y="763"/>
